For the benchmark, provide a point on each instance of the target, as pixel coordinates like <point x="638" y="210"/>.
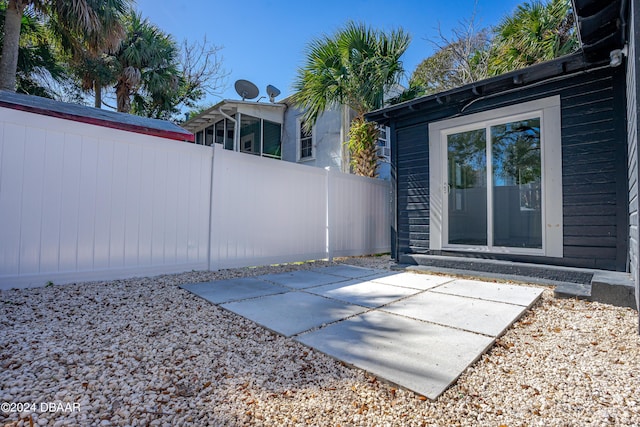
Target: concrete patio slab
<point x="475" y="315"/>
<point x="420" y="356"/>
<point x="413" y="280"/>
<point x="293" y="312"/>
<point x="302" y="279"/>
<point x="369" y="294"/>
<point x="418" y="331"/>
<point x="221" y="291"/>
<point x="500" y="292"/>
<point x="349" y="271"/>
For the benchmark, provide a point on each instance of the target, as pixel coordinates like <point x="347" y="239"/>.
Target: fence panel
<point x="265" y="211"/>
<point x="359" y="215"/>
<point x="83" y="202"/>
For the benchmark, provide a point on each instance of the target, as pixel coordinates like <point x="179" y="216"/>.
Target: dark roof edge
<point x="522" y="78"/>
<point x="104" y="118"/>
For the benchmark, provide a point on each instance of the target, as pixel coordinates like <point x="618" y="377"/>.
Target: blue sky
<point x="264" y="40"/>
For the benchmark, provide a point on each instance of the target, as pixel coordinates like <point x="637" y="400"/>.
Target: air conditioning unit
<point x="384" y="152"/>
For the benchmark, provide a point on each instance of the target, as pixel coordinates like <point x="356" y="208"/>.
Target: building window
<point x="260" y="137"/>
<point x="271" y="135"/>
<point x="200" y="137"/>
<point x="384" y="144"/>
<point x="305" y="142"/>
<point x="222" y="128"/>
<point x="250" y="134"/>
<point x="208" y="136"/>
<point x="496" y="180"/>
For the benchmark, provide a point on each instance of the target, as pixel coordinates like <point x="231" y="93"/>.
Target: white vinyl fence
<point x="83" y="202"/>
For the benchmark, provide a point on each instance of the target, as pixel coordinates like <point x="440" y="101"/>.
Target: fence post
<point x="329" y="249"/>
<point x="211" y="207"/>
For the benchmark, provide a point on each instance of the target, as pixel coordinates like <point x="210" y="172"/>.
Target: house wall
<point x="594" y="156"/>
<point x="328" y="149"/>
<point x="633" y="95"/>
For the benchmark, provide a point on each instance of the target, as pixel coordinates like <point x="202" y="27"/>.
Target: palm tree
<point x="353" y="67"/>
<point x="536" y="32"/>
<point x="146" y="66"/>
<point x="79" y="15"/>
<point x="38" y="62"/>
<point x="88" y="49"/>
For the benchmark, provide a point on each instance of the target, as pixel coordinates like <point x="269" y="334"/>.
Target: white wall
<point x="82" y="202"/>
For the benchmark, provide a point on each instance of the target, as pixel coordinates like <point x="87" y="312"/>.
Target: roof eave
<point x="210" y="114"/>
<point x="491" y="86"/>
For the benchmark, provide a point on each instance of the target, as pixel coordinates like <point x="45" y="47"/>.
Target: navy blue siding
<point x="594" y="162"/>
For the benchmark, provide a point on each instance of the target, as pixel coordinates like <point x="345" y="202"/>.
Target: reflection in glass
<point x="467" y="174"/>
<point x="222" y="128"/>
<point x="516" y="163"/>
<point x="272" y="146"/>
<point x="250" y="134"/>
<point x="208" y="136"/>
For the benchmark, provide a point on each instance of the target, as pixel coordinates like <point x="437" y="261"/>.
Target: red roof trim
<point x="177" y="136"/>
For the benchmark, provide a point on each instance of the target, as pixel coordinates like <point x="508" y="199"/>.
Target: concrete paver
<point x="471" y="314"/>
<point x="302" y="279"/>
<point x="420" y="356"/>
<point x="348" y="271"/>
<point x="220" y="291"/>
<point x="293" y="312"/>
<point x="370" y="293"/>
<point x="501" y="292"/>
<point x="413" y="280"/>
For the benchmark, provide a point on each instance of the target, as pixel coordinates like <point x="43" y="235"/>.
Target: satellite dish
<point x="272" y="91"/>
<point x="246" y="89"/>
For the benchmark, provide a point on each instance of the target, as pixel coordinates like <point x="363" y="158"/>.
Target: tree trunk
<point x="363" y="147"/>
<point x="9" y="59"/>
<point x="97" y="87"/>
<point x="123" y="96"/>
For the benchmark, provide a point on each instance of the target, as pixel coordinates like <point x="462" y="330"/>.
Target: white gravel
<point x="143" y="352"/>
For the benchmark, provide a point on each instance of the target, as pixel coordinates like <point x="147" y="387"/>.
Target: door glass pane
<point x="467" y="174"/>
<point x="517" y="207"/>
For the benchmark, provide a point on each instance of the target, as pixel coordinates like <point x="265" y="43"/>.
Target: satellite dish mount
<point x="246" y="89"/>
<point x="272" y="91"/>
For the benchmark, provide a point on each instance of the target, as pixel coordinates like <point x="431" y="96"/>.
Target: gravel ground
<point x="142" y="352"/>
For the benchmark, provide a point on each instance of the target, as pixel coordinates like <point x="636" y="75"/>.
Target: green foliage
<point x="352" y="67"/>
<point x="38" y="61"/>
<point x="67" y="20"/>
<point x="456" y="63"/>
<point x="152" y="76"/>
<point x="536" y="32"/>
<point x="146" y="68"/>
